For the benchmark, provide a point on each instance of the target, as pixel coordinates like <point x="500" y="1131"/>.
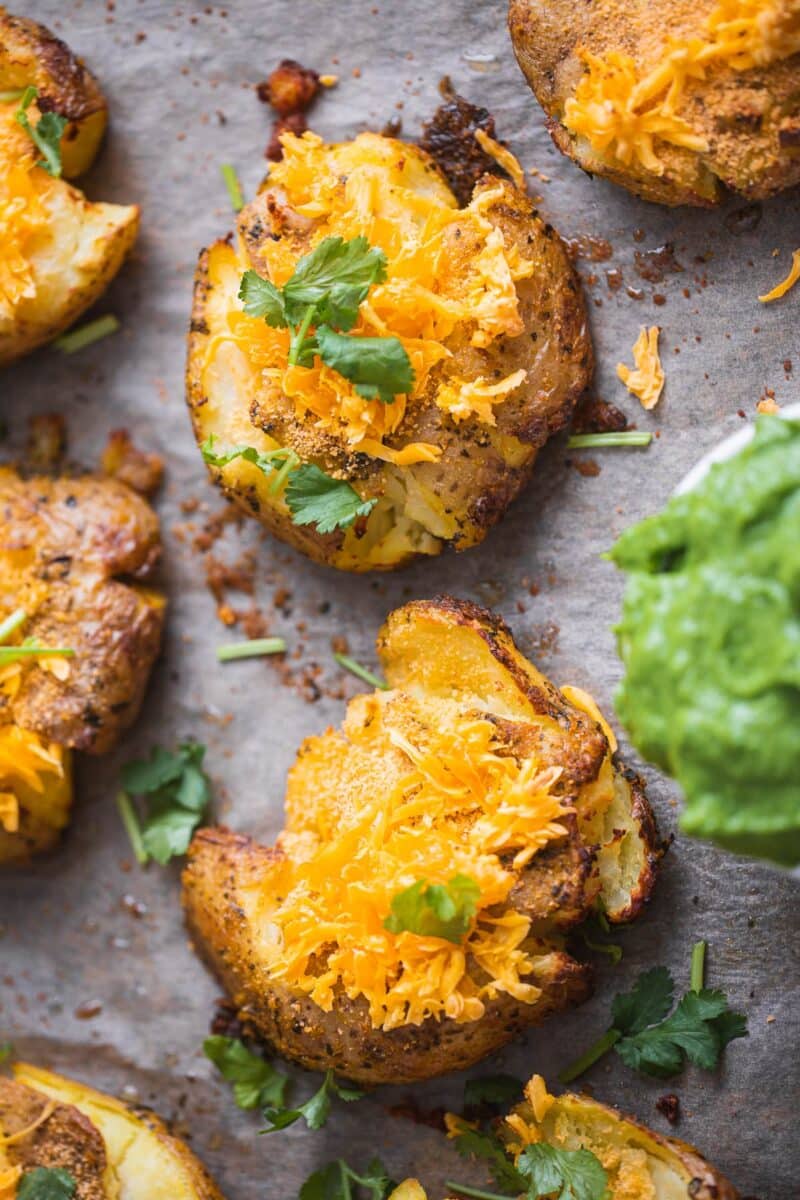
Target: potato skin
<point x="228" y="913"/>
<point x="427" y="506"/>
<point x="751" y="119"/>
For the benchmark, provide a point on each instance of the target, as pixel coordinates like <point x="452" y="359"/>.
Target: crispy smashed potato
<point x="676" y="101"/>
<point x="486" y="304"/>
<point x="470" y="764"/>
<point x="113" y="1151"/>
<point x="58" y="251"/>
<point x="75" y="559"/>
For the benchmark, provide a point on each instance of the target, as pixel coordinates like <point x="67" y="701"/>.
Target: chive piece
<point x="631" y="437"/>
<point x="471" y="1191"/>
<point x="350" y="664"/>
<point x="131" y="823"/>
<point x="85" y="335"/>
<point x="12" y="623"/>
<point x="10" y="96"/>
<point x="233" y="186"/>
<point x="698" y="974"/>
<point x="251" y="649"/>
<point x="9" y="654"/>
<point x="590" y="1057"/>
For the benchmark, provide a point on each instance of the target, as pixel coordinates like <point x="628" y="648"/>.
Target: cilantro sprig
<point x="256" y="1083"/>
<point x="178" y="793"/>
<point x="541" y="1170"/>
<point x="312" y="496"/>
<point x="323" y="294"/>
<point x="314" y="1111"/>
<point x="443" y="910"/>
<point x="45" y="135"/>
<point x="492" y="1090"/>
<point x="46" y="1183"/>
<point x="338" y="1181"/>
<point x="651" y="1039"/>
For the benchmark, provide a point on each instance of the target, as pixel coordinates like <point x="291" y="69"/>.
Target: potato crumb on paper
<point x="784" y="286"/>
<point x="646" y="382"/>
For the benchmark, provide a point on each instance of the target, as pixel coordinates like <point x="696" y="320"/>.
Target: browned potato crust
<point x="433" y="653"/>
<point x="425" y="506"/>
<point x="750" y="119"/>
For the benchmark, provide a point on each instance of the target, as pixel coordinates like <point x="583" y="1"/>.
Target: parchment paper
<point x="180" y="83"/>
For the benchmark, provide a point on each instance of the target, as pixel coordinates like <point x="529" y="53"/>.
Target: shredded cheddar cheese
<point x="47" y="1110"/>
<point x="9" y="1178"/>
<point x="646" y="382"/>
<point x="23" y="219"/>
<point x="449" y="269"/>
<point x="622" y="113"/>
<point x="458" y="804"/>
<point x="786" y="284"/>
<point x="502" y="156"/>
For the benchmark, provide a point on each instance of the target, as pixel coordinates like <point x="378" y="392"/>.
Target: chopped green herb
<point x="10" y="96"/>
<point x="6" y="1050"/>
<point x="315" y="1111"/>
<point x="12" y="623"/>
<point x="631" y="437"/>
<point x="46" y="1183"/>
<point x="255" y="648"/>
<point x="178" y="793"/>
<point x="492" y="1089"/>
<point x="478" y="1193"/>
<point x="338" y="1181"/>
<point x="314" y="498"/>
<point x="698" y="972"/>
<point x="256" y="1083"/>
<point x="574" y="1174"/>
<point x="32" y="648"/>
<point x="45" y="135"/>
<point x="443" y="910"/>
<point x="482" y="1144"/>
<point x="87" y="335"/>
<point x="657" y="1044"/>
<point x="591" y="932"/>
<point x="233" y="186"/>
<point x="355" y="668"/>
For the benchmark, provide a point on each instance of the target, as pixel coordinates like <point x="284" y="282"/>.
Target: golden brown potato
<point x="470" y="764"/>
<point x="58" y="251"/>
<point x="75" y="558"/>
<point x="486" y="304"/>
<point x="113" y="1151"/>
<point x="674" y="101"/>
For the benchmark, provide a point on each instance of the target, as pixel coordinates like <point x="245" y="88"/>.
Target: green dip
<point x="710" y="639"/>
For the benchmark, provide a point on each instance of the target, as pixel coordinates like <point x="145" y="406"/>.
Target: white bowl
<point x="726" y="449"/>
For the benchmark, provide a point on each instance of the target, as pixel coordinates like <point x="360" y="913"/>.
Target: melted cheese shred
<point x="458" y="802"/>
<point x="622" y="114"/>
<point x="646" y="380"/>
<point x="388" y="193"/>
<point x="786" y="284"/>
<point x="24" y="220"/>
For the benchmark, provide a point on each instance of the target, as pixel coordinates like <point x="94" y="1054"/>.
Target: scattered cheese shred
<point x="464" y="398"/>
<point x="8" y="1139"/>
<point x="786" y="284"/>
<point x="502" y="156"/>
<point x="587" y="703"/>
<point x="9" y="812"/>
<point x="646" y="382"/>
<point x="25" y="759"/>
<point x="22" y="220"/>
<point x="460" y="803"/>
<point x="448" y="268"/>
<point x="622" y="114"/>
<point x="538" y="1097"/>
<point x="9" y="1179"/>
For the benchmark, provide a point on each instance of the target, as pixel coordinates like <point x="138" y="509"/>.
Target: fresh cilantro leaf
<point x="729" y="1026"/>
<point x="272" y="462"/>
<point x="573" y="1174"/>
<point x="315" y="1111"/>
<point x="474" y="1143"/>
<point x="492" y="1089"/>
<point x="260" y="298"/>
<point x="256" y="1083"/>
<point x="179" y="793"/>
<point x="335" y="277"/>
<point x="335" y="1182"/>
<point x="649" y="1001"/>
<point x="46" y="1183"/>
<point x="442" y="910"/>
<point x="45" y="135"/>
<point x="314" y="498"/>
<point x="379" y="367"/>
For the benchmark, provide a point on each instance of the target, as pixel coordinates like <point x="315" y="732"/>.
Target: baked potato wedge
<point x="58" y="250"/>
<point x="676" y="102"/>
<point x="113" y="1151"/>
<point x="76" y="556"/>
<point x="470" y="765"/>
<point x="484" y="301"/>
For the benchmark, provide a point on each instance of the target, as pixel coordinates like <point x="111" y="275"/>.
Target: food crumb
<point x="669" y="1106"/>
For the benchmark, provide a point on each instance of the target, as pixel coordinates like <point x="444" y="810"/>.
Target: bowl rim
<point x="726" y="449"/>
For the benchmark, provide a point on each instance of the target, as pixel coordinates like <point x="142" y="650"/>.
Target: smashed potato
<point x="58" y="250"/>
<point x="676" y="101"/>
<point x="486" y="305"/>
<point x="82" y="631"/>
<point x="113" y="1151"/>
<point x="470" y="767"/>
